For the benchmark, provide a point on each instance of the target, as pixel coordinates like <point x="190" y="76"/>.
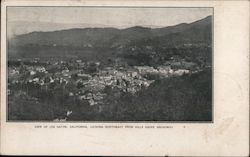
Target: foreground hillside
<point x="188" y="97"/>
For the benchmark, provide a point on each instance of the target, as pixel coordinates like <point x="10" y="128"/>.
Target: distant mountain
<point x="88" y="40"/>
<point x="24" y="27"/>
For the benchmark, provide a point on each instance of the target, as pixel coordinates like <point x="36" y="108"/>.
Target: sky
<point x="110" y="17"/>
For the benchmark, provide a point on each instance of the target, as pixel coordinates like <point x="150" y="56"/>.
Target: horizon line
<point x="102" y="27"/>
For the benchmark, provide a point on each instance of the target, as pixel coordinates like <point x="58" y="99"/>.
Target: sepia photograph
<point x="109" y="64"/>
<point x="124" y="78"/>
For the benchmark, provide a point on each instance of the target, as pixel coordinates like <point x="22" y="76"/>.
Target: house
<point x="180" y="72"/>
<point x="40" y="69"/>
<point x="32" y="72"/>
<point x="164" y="69"/>
<point x="84" y="76"/>
<point x="79" y="61"/>
<point x="36" y="80"/>
<point x="146" y="69"/>
<point x="51" y="80"/>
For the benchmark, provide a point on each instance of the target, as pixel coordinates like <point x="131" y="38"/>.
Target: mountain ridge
<point x="98" y="40"/>
<point x="109" y="27"/>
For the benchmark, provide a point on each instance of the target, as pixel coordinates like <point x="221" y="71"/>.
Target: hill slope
<point x="79" y="42"/>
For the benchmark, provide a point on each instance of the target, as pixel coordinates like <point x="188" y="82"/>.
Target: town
<point x="86" y="82"/>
